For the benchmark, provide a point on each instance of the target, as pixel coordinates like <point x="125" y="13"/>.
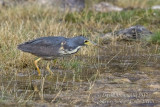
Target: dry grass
<point x="137" y="3"/>
<point x="23" y="23"/>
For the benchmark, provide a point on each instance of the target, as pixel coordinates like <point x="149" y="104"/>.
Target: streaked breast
<point x="63" y="51"/>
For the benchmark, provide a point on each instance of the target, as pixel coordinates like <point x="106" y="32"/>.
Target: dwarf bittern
<point x="52" y="47"/>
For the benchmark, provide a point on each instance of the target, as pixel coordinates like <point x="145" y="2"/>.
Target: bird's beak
<point x="89" y="43"/>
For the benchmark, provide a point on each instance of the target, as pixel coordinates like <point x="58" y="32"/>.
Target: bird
<point x="52" y="47"/>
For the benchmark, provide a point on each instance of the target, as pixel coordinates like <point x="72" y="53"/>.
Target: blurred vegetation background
<point x="91" y="67"/>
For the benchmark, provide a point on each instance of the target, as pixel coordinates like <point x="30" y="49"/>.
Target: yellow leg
<point x="49" y="70"/>
<point x="35" y="62"/>
<point x="55" y="60"/>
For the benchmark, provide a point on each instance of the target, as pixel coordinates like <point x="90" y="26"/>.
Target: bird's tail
<point x="23" y="47"/>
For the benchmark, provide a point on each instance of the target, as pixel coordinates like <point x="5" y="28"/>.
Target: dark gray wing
<point x="43" y="47"/>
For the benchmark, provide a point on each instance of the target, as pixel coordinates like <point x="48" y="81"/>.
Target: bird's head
<point x="82" y="41"/>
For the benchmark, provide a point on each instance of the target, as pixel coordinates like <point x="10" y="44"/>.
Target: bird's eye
<point x="85" y="41"/>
